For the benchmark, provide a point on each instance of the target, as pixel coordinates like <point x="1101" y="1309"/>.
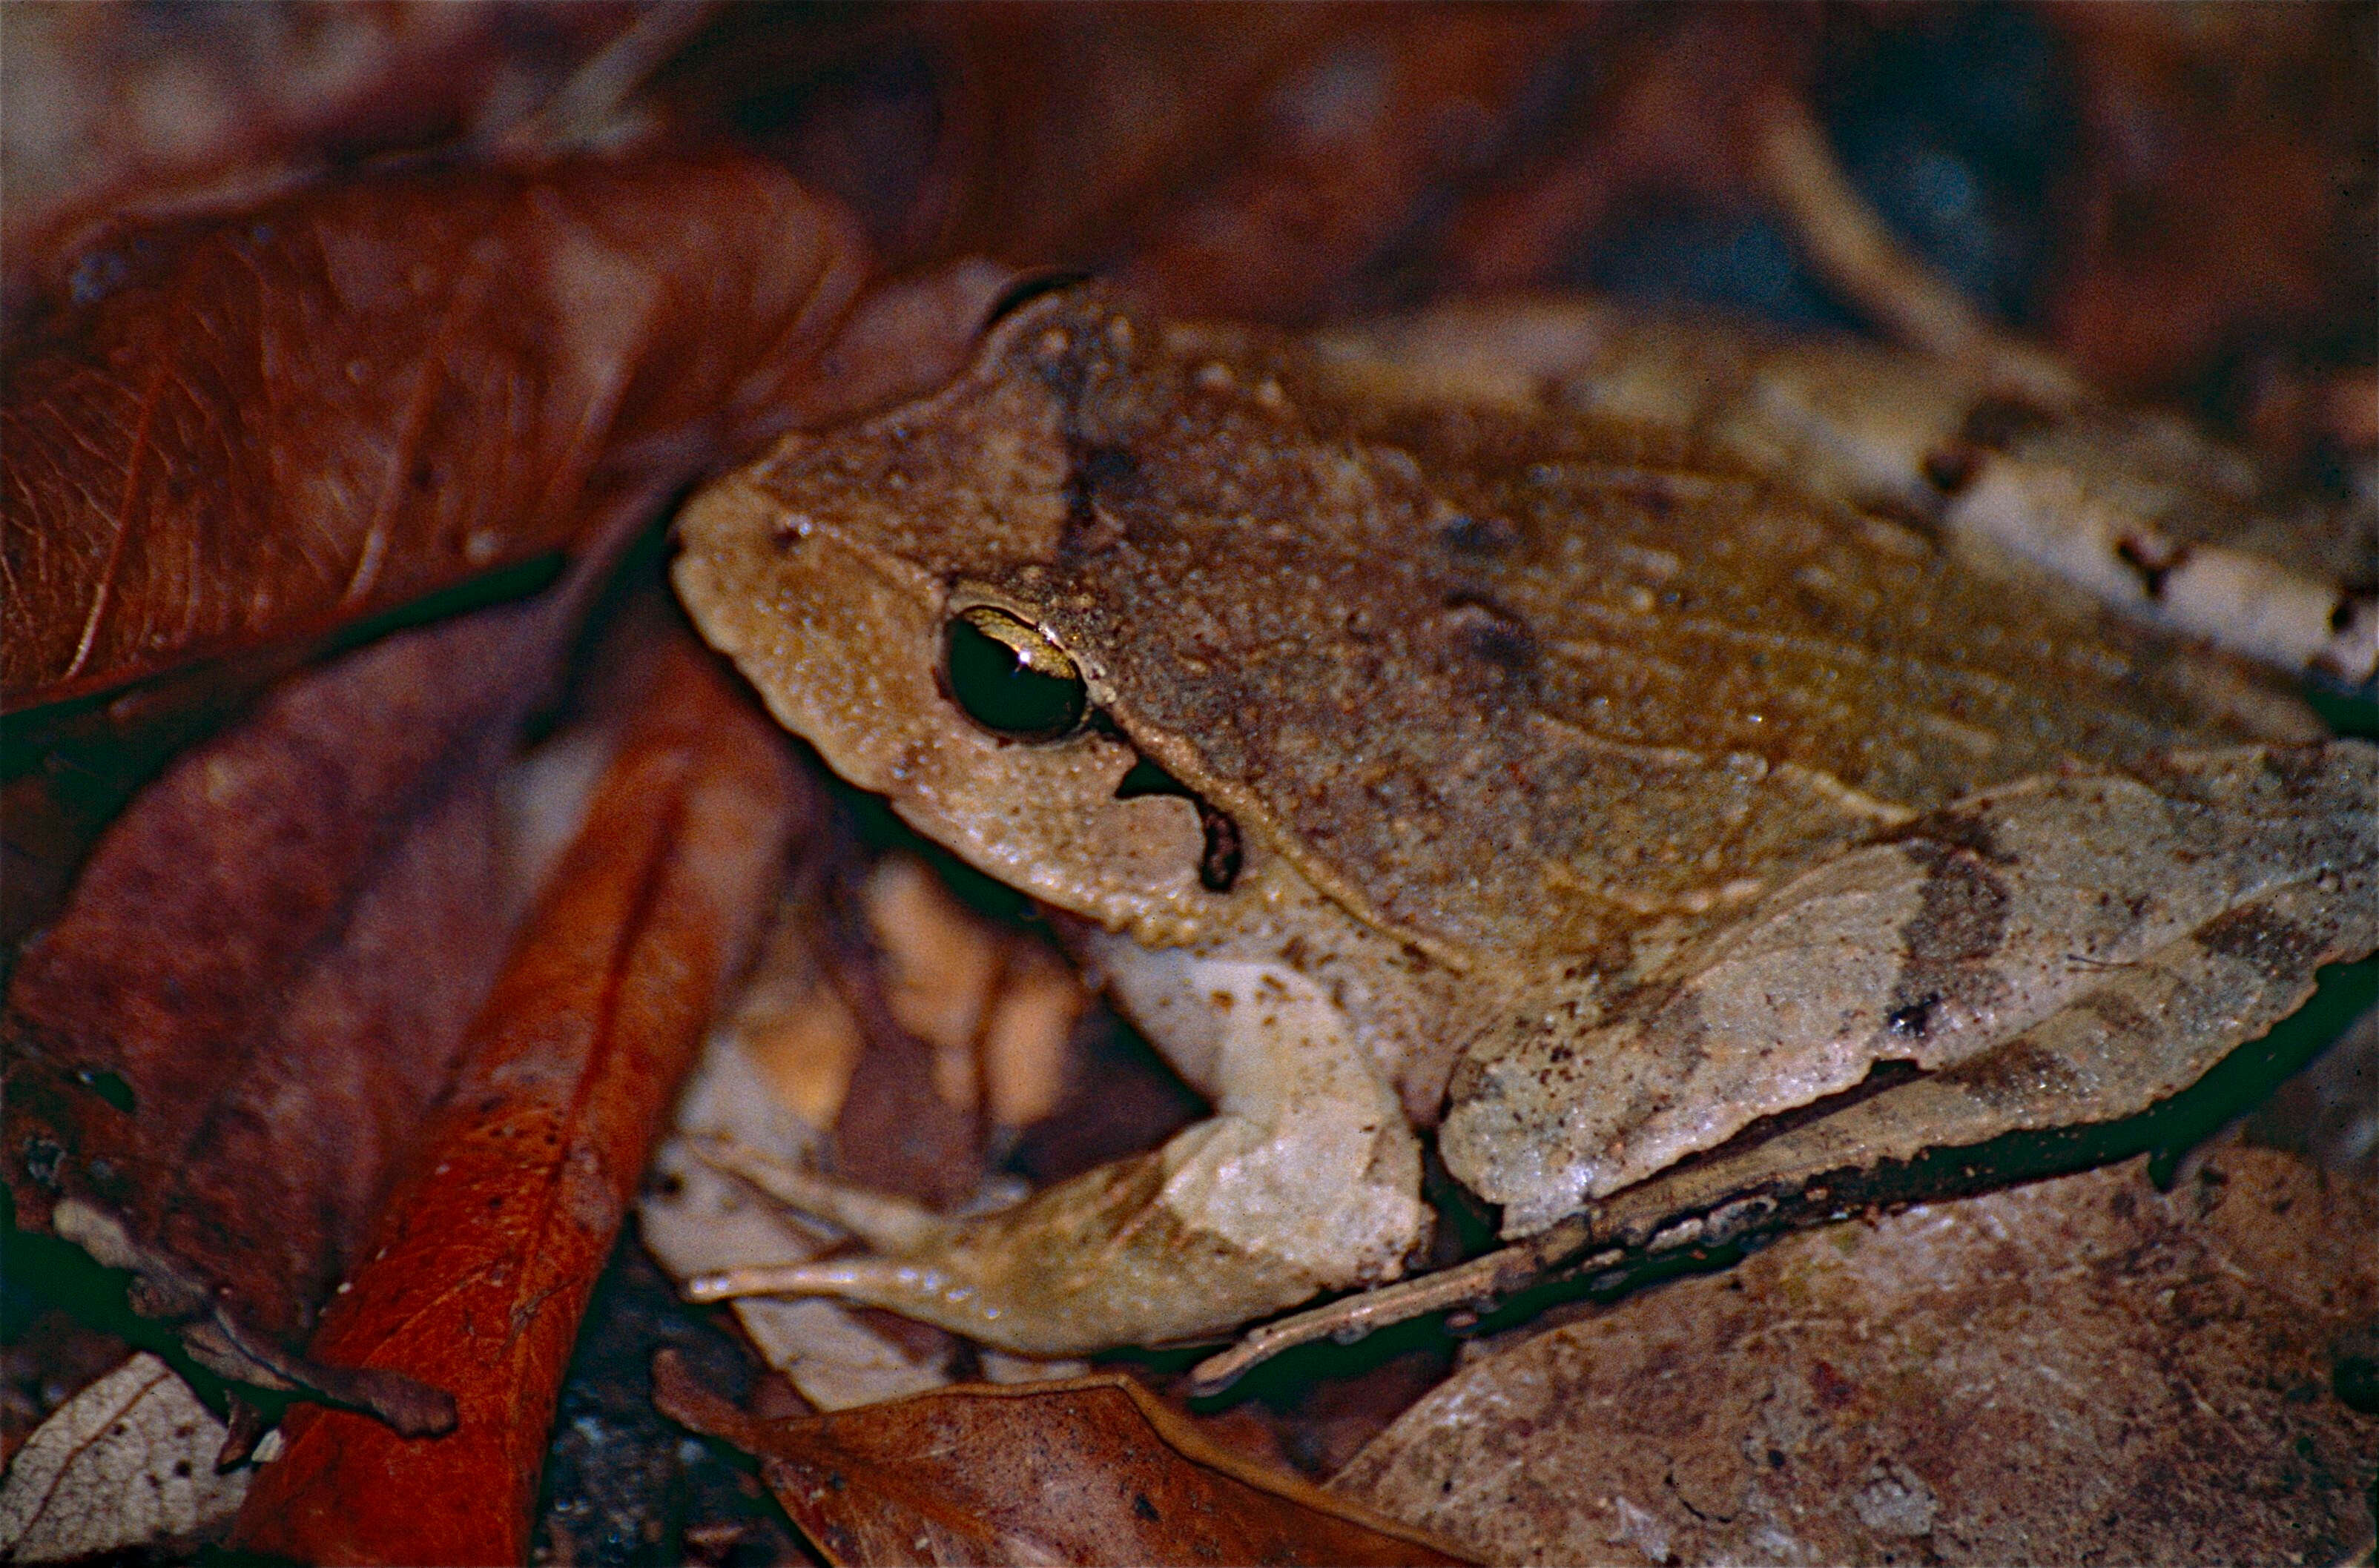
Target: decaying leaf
<point x="111" y="106"/>
<point x="1034" y="133"/>
<point x="2209" y="208"/>
<point x="321" y="885"/>
<point x="2081" y="1370"/>
<point x="521" y="1180"/>
<point x="252" y="428"/>
<point x="1348" y="147"/>
<point x="1087" y="1470"/>
<point x="128" y="1462"/>
<point x="220" y="1049"/>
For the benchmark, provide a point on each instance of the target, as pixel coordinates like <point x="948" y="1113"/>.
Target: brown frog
<point x="1400" y="760"/>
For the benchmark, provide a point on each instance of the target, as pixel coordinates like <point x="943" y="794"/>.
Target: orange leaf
<point x="484" y="1258"/>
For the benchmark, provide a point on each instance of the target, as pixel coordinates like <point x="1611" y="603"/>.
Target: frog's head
<point x="885" y="587"/>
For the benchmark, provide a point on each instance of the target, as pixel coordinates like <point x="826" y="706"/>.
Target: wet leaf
<point x="2079" y="1369"/>
<point x="249" y="430"/>
<point x="128" y="1462"/>
<point x="1087" y="1470"/>
<point x="521" y="1180"/>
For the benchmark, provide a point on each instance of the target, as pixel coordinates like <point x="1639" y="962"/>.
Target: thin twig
<point x="1850" y="244"/>
<point x="1472" y="1285"/>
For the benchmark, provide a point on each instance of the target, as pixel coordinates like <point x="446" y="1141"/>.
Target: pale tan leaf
<point x="128" y="1462"/>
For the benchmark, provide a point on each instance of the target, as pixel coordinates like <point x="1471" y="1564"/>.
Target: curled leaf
<point x="1086" y="1470"/>
<point x="250" y="430"/>
<point x="521" y="1180"/>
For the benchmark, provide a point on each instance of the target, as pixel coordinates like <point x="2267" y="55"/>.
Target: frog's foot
<point x="1305" y="1179"/>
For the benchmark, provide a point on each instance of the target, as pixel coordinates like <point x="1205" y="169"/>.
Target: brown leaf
<point x="1656" y="123"/>
<point x="1033" y="132"/>
<point x="251" y="429"/>
<point x="2076" y="1370"/>
<point x="224" y="1044"/>
<point x="520" y="1181"/>
<point x="112" y="110"/>
<point x="2209" y="211"/>
<point x="896" y="1131"/>
<point x="1351" y="147"/>
<point x="1087" y="1470"/>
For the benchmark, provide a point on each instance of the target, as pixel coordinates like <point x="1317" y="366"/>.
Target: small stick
<point x="1853" y="248"/>
<point x="1473" y="1284"/>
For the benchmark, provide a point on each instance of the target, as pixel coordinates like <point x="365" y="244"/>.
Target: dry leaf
<point x="991" y="1003"/>
<point x="224" y="1044"/>
<point x="2209" y="208"/>
<point x="108" y="106"/>
<point x="128" y="1462"/>
<point x="521" y="1180"/>
<point x="250" y="430"/>
<point x="1032" y="132"/>
<point x="2081" y="1370"/>
<point x="1087" y="1470"/>
<point x="1346" y="153"/>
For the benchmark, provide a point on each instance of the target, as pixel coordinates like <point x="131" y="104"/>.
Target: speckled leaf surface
<point x="2078" y="1369"/>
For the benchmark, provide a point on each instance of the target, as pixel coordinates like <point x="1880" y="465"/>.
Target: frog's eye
<point x="1010" y="679"/>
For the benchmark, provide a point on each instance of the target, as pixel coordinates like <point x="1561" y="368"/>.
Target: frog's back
<point x="1509" y="697"/>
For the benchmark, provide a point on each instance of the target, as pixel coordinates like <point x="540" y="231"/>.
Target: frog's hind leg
<point x="1305" y="1179"/>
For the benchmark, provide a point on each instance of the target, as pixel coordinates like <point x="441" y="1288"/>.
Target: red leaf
<point x="250" y="430"/>
<point x="484" y="1258"/>
<point x="259" y="984"/>
<point x="1087" y="1470"/>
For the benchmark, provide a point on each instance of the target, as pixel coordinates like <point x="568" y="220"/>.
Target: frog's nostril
<point x="1010" y="679"/>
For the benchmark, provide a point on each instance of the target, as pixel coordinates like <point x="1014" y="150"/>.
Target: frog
<point x="1416" y="769"/>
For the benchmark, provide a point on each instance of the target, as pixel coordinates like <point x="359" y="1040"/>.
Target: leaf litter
<point x="1087" y="1470"/>
<point x="2185" y="332"/>
<point x="522" y="1177"/>
<point x="2079" y="1369"/>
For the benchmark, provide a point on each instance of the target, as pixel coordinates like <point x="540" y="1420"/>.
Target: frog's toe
<point x="1099" y="1260"/>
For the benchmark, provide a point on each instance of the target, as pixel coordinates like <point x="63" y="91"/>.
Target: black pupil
<point x="1001" y="693"/>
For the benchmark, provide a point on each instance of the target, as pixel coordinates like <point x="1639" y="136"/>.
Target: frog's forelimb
<point x="1306" y="1178"/>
